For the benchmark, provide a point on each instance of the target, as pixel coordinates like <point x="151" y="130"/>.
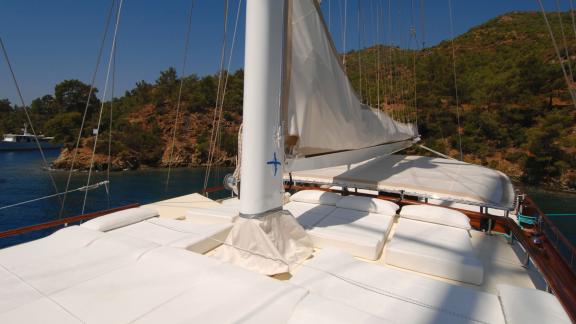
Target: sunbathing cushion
<point x="14" y="292"/>
<point x="314" y="309"/>
<point x="438" y="215"/>
<point x="316" y="197"/>
<point x="433" y="249"/>
<point x="128" y="293"/>
<point x="199" y="238"/>
<point x="368" y="204"/>
<point x="111" y="252"/>
<point x="527" y="306"/>
<point x="229" y="294"/>
<point x="120" y="219"/>
<point x="400" y="296"/>
<point x="42" y="310"/>
<point x="361" y="234"/>
<point x="213" y="215"/>
<point x="207" y="240"/>
<point x="308" y="214"/>
<point x="59" y="243"/>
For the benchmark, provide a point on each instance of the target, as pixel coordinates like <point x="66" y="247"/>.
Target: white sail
<point x="322" y="112"/>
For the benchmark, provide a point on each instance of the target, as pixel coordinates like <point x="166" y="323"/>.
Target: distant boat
<point x="27" y="142"/>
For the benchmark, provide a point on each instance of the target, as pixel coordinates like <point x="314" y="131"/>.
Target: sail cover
<point x="323" y="114"/>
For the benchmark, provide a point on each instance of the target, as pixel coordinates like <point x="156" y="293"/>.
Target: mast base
<point x="269" y="244"/>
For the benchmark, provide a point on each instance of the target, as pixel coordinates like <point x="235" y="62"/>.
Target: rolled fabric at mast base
<point x="271" y="244"/>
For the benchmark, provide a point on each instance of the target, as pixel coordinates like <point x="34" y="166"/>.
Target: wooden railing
<point x="558" y="273"/>
<point x="63" y="221"/>
<point x="552" y="233"/>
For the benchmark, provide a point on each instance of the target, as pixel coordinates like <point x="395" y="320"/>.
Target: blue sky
<point x="50" y="41"/>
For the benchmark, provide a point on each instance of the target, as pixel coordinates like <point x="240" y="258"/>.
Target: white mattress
<point x="314" y="309"/>
<point x="14" y="292"/>
<point x="308" y="214"/>
<point x="55" y="245"/>
<point x="49" y="275"/>
<point x="199" y="238"/>
<point x="530" y="306"/>
<point x="224" y="213"/>
<point x="166" y="285"/>
<point x="359" y="233"/>
<point x="433" y="249"/>
<point x="395" y="295"/>
<point x="228" y="294"/>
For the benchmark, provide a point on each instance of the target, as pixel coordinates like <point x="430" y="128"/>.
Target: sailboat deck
<point x="503" y="262"/>
<point x="186" y="279"/>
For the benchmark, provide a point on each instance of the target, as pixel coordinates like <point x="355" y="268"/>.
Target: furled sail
<point x="322" y="113"/>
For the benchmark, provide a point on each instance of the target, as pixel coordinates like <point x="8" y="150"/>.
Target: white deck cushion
<point x="40" y="311"/>
<point x="14" y="292"/>
<point x="399" y="296"/>
<point x="59" y="243"/>
<point x="314" y="309"/>
<point x="120" y="219"/>
<point x="359" y="233"/>
<point x="170" y="285"/>
<point x="308" y="214"/>
<point x="527" y="306"/>
<point x="113" y="251"/>
<point x="433" y="249"/>
<point x="316" y="197"/>
<point x="128" y="293"/>
<point x="223" y="214"/>
<point x="368" y="204"/>
<point x="199" y="238"/>
<point x="229" y="294"/>
<point x="438" y="215"/>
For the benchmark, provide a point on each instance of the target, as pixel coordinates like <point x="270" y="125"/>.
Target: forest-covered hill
<point x="516" y="112"/>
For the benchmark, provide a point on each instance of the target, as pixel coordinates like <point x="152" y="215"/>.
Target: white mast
<point x="263" y="153"/>
<point x="264" y="238"/>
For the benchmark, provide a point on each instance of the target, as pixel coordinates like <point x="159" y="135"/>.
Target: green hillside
<point x="516" y="112"/>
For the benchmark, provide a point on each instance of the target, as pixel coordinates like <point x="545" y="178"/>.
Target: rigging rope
<point x="414" y="74"/>
<point x="455" y="79"/>
<point x="422" y="24"/>
<point x="360" y="54"/>
<point x="110" y="128"/>
<point x="558" y="13"/>
<point x="393" y="94"/>
<point x="213" y="135"/>
<point x="569" y="82"/>
<point x="175" y="126"/>
<point x="23" y="103"/>
<point x="378" y="44"/>
<point x="90" y="92"/>
<point x="345" y="30"/>
<point x="436" y="152"/>
<point x="112" y="50"/>
<point x="329" y="15"/>
<point x="573" y="16"/>
<point x="84" y="188"/>
<point x="220" y="106"/>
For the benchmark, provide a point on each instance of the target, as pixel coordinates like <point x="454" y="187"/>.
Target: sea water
<point x="23" y="178"/>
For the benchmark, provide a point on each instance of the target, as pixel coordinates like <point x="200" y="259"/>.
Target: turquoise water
<point x="562" y="204"/>
<point x="22" y="178"/>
